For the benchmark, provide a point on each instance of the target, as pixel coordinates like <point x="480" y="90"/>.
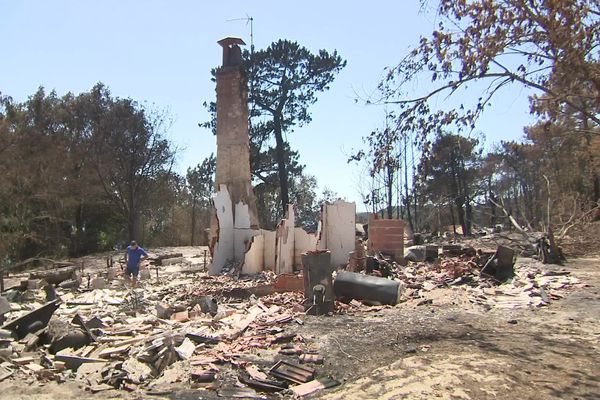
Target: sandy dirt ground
<point x="449" y="349"/>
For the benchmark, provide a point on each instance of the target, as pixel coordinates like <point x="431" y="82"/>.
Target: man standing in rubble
<point x="133" y="257"/>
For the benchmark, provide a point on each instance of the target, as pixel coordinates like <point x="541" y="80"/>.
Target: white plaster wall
<point x="269" y="252"/>
<point x="303" y="242"/>
<point x="242" y="233"/>
<point x="285" y="243"/>
<point x="224" y="248"/>
<point x="338" y="230"/>
<point x="254" y="257"/>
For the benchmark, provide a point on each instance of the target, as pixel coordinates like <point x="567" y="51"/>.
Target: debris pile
<point x="213" y="333"/>
<point x="489" y="278"/>
<point x="228" y="333"/>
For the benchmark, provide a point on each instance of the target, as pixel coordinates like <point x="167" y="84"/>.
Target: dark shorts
<point x="133" y="271"/>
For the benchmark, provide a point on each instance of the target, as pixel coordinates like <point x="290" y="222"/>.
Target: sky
<point x="161" y="52"/>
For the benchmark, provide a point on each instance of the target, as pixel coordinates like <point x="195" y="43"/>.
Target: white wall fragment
<point x="242" y="233"/>
<point x="224" y="247"/>
<point x="255" y="256"/>
<point x="303" y="242"/>
<point x="337" y="230"/>
<point x="284" y="257"/>
<point x="270" y="244"/>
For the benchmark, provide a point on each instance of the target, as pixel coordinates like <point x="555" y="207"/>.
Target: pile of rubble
<point x="228" y="333"/>
<point x="478" y="272"/>
<point x="172" y="330"/>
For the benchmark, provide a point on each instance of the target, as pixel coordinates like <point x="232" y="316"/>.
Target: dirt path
<point x="453" y="353"/>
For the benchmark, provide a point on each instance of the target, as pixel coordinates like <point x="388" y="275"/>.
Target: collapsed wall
<point x="337" y="230"/>
<point x="281" y="250"/>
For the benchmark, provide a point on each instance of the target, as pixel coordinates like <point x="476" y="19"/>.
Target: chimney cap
<point x="228" y="41"/>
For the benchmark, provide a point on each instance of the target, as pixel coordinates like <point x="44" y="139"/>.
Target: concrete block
<point x="98" y="283"/>
<point x="431" y="252"/>
<point x="171" y="261"/>
<point x="163" y="311"/>
<point x="70" y="284"/>
<point x="208" y="305"/>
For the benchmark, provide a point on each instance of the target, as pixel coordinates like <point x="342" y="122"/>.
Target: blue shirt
<point x="133" y="256"/>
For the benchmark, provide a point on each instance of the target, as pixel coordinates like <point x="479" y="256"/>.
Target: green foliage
<point x="201" y="184"/>
<point x="481" y="47"/>
<point x="129" y="152"/>
<point x="201" y="180"/>
<point x="451" y="171"/>
<point x="76" y="172"/>
<point x="284" y="80"/>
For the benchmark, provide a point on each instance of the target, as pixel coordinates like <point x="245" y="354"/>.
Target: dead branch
<point x="512" y="219"/>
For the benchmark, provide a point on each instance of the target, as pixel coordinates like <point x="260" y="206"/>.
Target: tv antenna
<point x="249" y="20"/>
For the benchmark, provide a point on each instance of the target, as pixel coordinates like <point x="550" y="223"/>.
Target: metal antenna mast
<point x="249" y="20"/>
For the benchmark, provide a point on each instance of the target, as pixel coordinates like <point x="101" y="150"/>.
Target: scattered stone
<point x="163" y="311"/>
<point x="415" y="253"/>
<point x="311" y="358"/>
<point x="171" y="261"/>
<point x="181" y="316"/>
<point x="203" y="375"/>
<point x="137" y="371"/>
<point x="186" y="349"/>
<point x="145" y="274"/>
<point x="410" y="349"/>
<point x="208" y="305"/>
<point x="70" y="284"/>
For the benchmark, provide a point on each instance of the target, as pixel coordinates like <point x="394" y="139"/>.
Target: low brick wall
<point x="386" y="235"/>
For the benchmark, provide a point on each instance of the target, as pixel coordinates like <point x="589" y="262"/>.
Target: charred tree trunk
<point x="281" y="167"/>
<point x="452" y="217"/>
<point x="492" y="200"/>
<point x="460" y="211"/>
<point x="406" y="193"/>
<point x="193" y="233"/>
<point x="390" y="194"/>
<point x="468" y="219"/>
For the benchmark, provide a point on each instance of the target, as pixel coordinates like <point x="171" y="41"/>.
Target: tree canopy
<point x="78" y="172"/>
<point x="284" y="80"/>
<point x="482" y="46"/>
